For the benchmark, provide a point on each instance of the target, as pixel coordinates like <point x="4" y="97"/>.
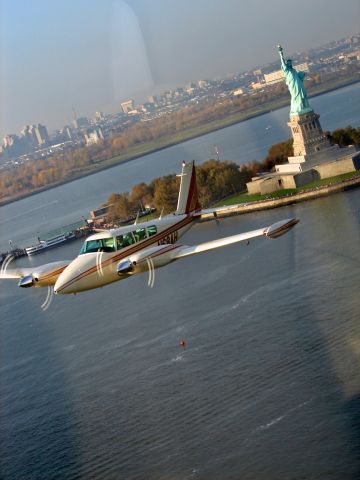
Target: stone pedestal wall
<point x="344" y="165"/>
<point x="307" y="134"/>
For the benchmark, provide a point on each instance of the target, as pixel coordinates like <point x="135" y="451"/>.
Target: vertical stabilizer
<point x="188" y="195"/>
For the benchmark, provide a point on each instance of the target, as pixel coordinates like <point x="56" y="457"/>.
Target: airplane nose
<point x="62" y="284"/>
<point x="75" y="276"/>
<point x="58" y="287"/>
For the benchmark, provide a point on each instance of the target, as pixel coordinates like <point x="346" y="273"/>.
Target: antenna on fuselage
<point x="161" y="214"/>
<point x="137" y="218"/>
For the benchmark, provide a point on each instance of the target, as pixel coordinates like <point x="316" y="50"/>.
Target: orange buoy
<point x="182" y="343"/>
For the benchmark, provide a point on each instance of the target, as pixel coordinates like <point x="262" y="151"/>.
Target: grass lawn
<point x="244" y="197"/>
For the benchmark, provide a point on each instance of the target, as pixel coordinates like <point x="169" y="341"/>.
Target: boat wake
<point x="281" y="417"/>
<point x="178" y="358"/>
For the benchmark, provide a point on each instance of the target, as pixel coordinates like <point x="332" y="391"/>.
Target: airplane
<point x="119" y="253"/>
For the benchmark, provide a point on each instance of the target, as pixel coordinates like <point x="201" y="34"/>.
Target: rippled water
<point x="267" y="387"/>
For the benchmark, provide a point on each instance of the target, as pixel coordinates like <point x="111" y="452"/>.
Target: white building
<point x="91" y="138"/>
<point x="128" y="106"/>
<point x="278" y="75"/>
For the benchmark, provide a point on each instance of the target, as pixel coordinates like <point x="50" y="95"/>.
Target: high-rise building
<point x="10" y="140"/>
<point x="258" y="75"/>
<point x="190" y="88"/>
<point x="153" y="99"/>
<point x="41" y="134"/>
<point x="93" y="137"/>
<point x="27" y="133"/>
<point x="81" y="122"/>
<point x="67" y="132"/>
<point x="127" y="106"/>
<point x="13" y="146"/>
<point x="99" y="116"/>
<point x="203" y="83"/>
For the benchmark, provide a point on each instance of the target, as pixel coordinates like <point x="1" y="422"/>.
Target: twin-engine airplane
<point x="122" y="252"/>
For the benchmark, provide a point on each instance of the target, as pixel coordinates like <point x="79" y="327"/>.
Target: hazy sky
<point x="92" y="54"/>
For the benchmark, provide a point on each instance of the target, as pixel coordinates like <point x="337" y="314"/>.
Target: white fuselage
<point x="94" y="269"/>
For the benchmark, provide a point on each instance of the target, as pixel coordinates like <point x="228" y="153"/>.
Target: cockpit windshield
<point x="98" y="245"/>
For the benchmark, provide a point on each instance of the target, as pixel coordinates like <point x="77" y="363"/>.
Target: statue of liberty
<point x="294" y="81"/>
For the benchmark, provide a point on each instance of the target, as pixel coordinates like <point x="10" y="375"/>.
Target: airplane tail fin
<point x="188" y="194"/>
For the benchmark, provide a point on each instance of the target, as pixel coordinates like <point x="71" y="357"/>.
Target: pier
<point x="74" y="230"/>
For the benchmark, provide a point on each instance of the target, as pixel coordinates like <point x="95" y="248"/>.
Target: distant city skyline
<point x="91" y="56"/>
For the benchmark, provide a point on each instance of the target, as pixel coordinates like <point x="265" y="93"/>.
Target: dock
<point x="77" y="230"/>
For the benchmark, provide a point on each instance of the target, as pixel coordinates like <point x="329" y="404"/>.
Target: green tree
<point x="121" y="207"/>
<point x="278" y="154"/>
<point x="346" y="136"/>
<point x="141" y="195"/>
<point x="166" y="193"/>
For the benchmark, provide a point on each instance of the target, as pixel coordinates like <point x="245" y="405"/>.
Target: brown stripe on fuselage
<point x="51" y="274"/>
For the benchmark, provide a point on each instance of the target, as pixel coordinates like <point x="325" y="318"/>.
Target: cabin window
<point x="125" y="240"/>
<point x="129" y="238"/>
<point x="98" y="245"/>
<point x="108" y="245"/>
<point x="119" y="242"/>
<point x="151" y="230"/>
<point x="140" y="234"/>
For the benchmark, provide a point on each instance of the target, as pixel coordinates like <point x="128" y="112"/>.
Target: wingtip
<point x="280" y="228"/>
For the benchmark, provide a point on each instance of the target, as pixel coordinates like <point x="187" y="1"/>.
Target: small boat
<point x="52" y="242"/>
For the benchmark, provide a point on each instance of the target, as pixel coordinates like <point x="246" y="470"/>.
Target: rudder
<point x="188" y="200"/>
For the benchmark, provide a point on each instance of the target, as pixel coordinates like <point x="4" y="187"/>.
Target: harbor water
<point x="268" y="383"/>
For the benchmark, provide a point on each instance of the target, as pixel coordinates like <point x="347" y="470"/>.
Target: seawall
<point x="318" y="192"/>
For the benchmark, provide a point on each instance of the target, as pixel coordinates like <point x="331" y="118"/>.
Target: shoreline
<point x="206" y="130"/>
<point x="319" y="192"/>
<point x="271" y="203"/>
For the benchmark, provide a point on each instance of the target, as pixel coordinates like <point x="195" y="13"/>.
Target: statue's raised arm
<point x="294" y="81"/>
<point x="283" y="64"/>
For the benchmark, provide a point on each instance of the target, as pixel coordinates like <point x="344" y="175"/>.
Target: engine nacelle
<point x="153" y="257"/>
<point x="26" y="282"/>
<point x="125" y="267"/>
<point x="42" y="276"/>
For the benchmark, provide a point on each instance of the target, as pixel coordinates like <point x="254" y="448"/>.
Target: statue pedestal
<point x="301" y="163"/>
<point x="311" y="146"/>
<point x="307" y="134"/>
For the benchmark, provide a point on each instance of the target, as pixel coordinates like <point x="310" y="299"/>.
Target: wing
<point x="273" y="231"/>
<point x="40" y="276"/>
<point x="161" y="255"/>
